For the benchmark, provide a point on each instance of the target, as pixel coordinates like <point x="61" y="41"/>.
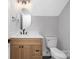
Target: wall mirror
<point x="25" y="18"/>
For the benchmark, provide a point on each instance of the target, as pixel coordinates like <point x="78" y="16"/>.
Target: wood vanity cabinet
<point x="26" y="48"/>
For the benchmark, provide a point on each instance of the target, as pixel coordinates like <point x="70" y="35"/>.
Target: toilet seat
<point x="57" y="52"/>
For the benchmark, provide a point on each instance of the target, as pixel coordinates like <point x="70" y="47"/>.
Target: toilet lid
<point x="58" y="52"/>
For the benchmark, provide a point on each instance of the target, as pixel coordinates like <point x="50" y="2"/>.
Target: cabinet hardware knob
<point x="22" y="46"/>
<point x="37" y="50"/>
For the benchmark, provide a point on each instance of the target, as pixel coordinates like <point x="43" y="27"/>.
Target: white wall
<point x="46" y="25"/>
<point x="64" y="28"/>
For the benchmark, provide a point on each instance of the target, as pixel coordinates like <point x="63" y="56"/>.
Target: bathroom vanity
<point x="25" y="48"/>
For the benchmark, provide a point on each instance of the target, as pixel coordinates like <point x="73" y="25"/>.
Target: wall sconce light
<point x="27" y="4"/>
<point x="23" y="1"/>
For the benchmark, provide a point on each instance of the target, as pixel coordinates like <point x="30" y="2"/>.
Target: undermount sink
<point x="29" y="35"/>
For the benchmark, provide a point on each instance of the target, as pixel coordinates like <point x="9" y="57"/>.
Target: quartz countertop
<point x="29" y="35"/>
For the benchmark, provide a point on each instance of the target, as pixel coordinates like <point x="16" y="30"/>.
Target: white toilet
<point x="55" y="52"/>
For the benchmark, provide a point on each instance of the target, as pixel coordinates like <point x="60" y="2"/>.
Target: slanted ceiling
<point x="48" y="7"/>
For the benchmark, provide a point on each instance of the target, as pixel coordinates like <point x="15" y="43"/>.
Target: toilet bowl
<point x="55" y="52"/>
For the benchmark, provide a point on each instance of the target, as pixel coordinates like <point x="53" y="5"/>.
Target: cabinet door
<point x="26" y="52"/>
<point x="15" y="52"/>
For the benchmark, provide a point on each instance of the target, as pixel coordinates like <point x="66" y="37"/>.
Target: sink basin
<point x="29" y="35"/>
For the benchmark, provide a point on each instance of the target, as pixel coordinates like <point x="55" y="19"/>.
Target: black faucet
<point x="23" y="31"/>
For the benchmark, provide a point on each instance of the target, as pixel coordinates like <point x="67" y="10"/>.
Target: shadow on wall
<point x="64" y="29"/>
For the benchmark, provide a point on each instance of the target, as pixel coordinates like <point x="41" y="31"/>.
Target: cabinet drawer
<point x="37" y="51"/>
<point x="25" y="41"/>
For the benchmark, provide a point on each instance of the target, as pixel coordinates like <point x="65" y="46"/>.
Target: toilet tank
<point x="51" y="42"/>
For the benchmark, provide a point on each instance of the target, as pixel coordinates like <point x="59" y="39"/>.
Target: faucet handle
<point x="20" y="32"/>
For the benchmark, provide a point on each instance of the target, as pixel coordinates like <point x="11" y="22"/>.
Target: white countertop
<point x="29" y="35"/>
